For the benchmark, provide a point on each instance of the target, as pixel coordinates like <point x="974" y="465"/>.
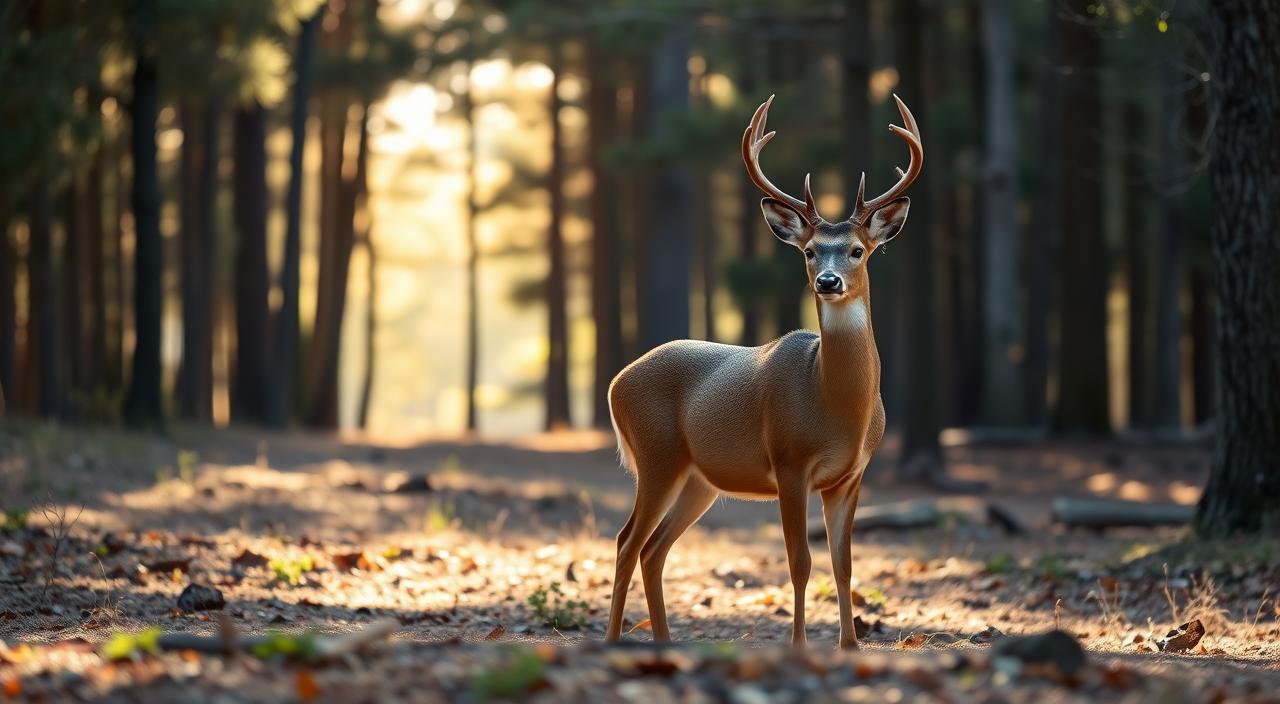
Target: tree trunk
<point x="8" y="317"/>
<point x="43" y="338"/>
<point x="1043" y="233"/>
<point x="1166" y="375"/>
<point x="199" y="191"/>
<point x="370" y="327"/>
<point x="750" y="225"/>
<point x="284" y="352"/>
<point x="326" y="343"/>
<point x="72" y="297"/>
<point x="1002" y="394"/>
<point x="95" y="239"/>
<point x="557" y="381"/>
<point x="704" y="205"/>
<point x="1243" y="493"/>
<point x="664" y="245"/>
<point x="921" y="455"/>
<point x="1138" y="254"/>
<point x="252" y="275"/>
<point x="1083" y="405"/>
<point x="119" y="266"/>
<point x="1202" y="344"/>
<point x="143" y="407"/>
<point x="473" y="259"/>
<point x="606" y="269"/>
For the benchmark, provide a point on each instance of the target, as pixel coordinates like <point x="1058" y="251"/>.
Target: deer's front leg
<point x="793" y="502"/>
<point x="838" y="505"/>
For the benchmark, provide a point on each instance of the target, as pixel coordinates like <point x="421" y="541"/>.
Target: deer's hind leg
<point x="657" y="483"/>
<point x="694" y="500"/>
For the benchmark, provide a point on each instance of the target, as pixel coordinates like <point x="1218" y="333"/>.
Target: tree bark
<point x="143" y="406"/>
<point x="473" y="259"/>
<point x="95" y="253"/>
<point x="1166" y="375"/>
<point x="72" y="271"/>
<point x="1002" y="394"/>
<point x="331" y="304"/>
<point x="200" y="191"/>
<point x="664" y="245"/>
<point x="284" y="352"/>
<point x="606" y="269"/>
<point x="1043" y="233"/>
<point x="1243" y="493"/>
<point x="557" y="381"/>
<point x="921" y="456"/>
<point x="1138" y="254"/>
<point x="252" y="275"/>
<point x="370" y="328"/>
<point x="8" y="317"/>
<point x="1202" y="344"/>
<point x="1082" y="404"/>
<point x="43" y="334"/>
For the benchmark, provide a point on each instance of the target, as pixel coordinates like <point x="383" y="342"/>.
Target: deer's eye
<point x="810" y="254"/>
<point x="856" y="253"/>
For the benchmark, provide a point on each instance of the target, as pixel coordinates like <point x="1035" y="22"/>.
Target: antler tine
<point x="911" y="135"/>
<point x="753" y="140"/>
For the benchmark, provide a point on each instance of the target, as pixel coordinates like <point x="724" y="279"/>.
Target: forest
<point x="303" y="301"/>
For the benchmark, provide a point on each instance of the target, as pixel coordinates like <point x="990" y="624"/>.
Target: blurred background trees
<point x="236" y="210"/>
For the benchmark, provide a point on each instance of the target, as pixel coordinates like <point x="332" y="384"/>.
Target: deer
<point x="695" y="420"/>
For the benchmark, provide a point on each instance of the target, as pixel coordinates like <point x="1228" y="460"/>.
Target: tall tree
<point x="199" y="177"/>
<point x="143" y="407"/>
<point x="44" y="345"/>
<point x="284" y="351"/>
<point x="556" y="390"/>
<point x="921" y="457"/>
<point x="1082" y="405"/>
<point x="606" y="274"/>
<point x="473" y="254"/>
<point x="8" y="315"/>
<point x="1042" y="234"/>
<point x="664" y="244"/>
<point x="1166" y="372"/>
<point x="1243" y="493"/>
<point x="1138" y="248"/>
<point x="252" y="285"/>
<point x="1002" y="376"/>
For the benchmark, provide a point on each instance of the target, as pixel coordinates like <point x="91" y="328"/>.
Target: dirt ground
<point x="451" y="539"/>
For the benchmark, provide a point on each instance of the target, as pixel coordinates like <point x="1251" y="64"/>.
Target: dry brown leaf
<point x="645" y="625"/>
<point x="1182" y="638"/>
<point x="496" y="633"/>
<point x="912" y="641"/>
<point x="249" y="558"/>
<point x="306" y="685"/>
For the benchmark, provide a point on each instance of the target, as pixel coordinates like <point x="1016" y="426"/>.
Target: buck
<point x="695" y="420"/>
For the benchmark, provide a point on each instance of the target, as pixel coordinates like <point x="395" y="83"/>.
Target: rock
<point x="416" y="484"/>
<point x="987" y="636"/>
<point x="1056" y="648"/>
<point x="197" y="597"/>
<point x="1184" y="637"/>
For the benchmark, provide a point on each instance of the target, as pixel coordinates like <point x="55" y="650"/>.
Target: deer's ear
<point x="785" y="222"/>
<point x="888" y="219"/>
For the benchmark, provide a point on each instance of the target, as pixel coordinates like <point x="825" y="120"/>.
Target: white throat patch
<point x="844" y="316"/>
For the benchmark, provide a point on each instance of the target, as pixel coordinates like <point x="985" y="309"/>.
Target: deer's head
<point x="836" y="253"/>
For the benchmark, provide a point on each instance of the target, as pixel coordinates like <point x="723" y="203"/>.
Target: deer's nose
<point x="827" y="282"/>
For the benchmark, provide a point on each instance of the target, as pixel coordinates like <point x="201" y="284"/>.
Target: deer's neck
<point x="848" y="361"/>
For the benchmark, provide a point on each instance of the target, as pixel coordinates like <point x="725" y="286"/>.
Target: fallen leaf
<point x="912" y="641"/>
<point x="307" y="688"/>
<point x="987" y="636"/>
<point x="1184" y="637"/>
<point x="645" y="625"/>
<point x="496" y="633"/>
<point x="12" y="687"/>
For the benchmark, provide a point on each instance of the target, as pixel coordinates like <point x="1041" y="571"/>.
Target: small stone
<point x="1057" y="648"/>
<point x="197" y="597"/>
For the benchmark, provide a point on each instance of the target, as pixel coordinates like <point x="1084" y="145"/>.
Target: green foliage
<point x="123" y="646"/>
<point x="440" y="516"/>
<point x="553" y="609"/>
<point x="15" y="520"/>
<point x="304" y="646"/>
<point x="186" y="466"/>
<point x="520" y="671"/>
<point x="290" y="568"/>
<point x="824" y="588"/>
<point x="1000" y="563"/>
<point x="873" y="596"/>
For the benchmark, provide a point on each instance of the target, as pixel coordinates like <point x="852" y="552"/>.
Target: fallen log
<point x="321" y="647"/>
<point x="1118" y="513"/>
<point x="926" y="513"/>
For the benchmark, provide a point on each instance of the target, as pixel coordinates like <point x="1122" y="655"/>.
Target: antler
<point x="753" y="140"/>
<point x="911" y="135"/>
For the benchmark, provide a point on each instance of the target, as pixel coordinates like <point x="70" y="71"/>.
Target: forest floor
<point x="465" y="550"/>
